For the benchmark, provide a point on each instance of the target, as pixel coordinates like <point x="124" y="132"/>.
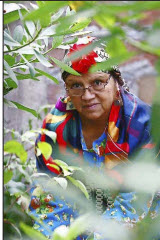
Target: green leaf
<point x="80" y="185"/>
<point x="37" y="191"/>
<point x="15" y="188"/>
<point x="16" y="148"/>
<point x="74" y="40"/>
<point x="115" y="47"/>
<point x="31" y="27"/>
<point x="73" y="168"/>
<point x="40" y="3"/>
<point x="10" y="83"/>
<point x="50" y="134"/>
<point x="78" y="227"/>
<point x="45" y="149"/>
<point x="20" y="106"/>
<point x="144" y="46"/>
<point x="57" y="40"/>
<point x="120" y="7"/>
<point x="21" y="76"/>
<point x="60" y="163"/>
<point x="62" y="182"/>
<point x="6" y="90"/>
<point x="45" y="107"/>
<point x="31" y="68"/>
<point x="80" y="25"/>
<point x="10" y="72"/>
<point x="66" y="22"/>
<point x="49" y="31"/>
<point x="47" y="75"/>
<point x="27" y="135"/>
<point x="32" y="233"/>
<point x="108" y="64"/>
<point x="9" y="59"/>
<point x="8" y="40"/>
<point x="83" y="51"/>
<point x="57" y="15"/>
<point x="43" y="12"/>
<point x="42" y="59"/>
<point x="9" y="103"/>
<point x="8" y="174"/>
<point x="104" y="20"/>
<point x="155" y="117"/>
<point x="13" y="16"/>
<point x="64" y="66"/>
<point x="18" y="33"/>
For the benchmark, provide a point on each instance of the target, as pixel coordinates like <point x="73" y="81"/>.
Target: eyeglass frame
<point x="90" y="86"/>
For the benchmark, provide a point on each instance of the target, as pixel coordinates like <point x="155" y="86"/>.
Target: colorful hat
<point x="83" y="64"/>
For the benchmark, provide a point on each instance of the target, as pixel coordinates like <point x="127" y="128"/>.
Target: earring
<point x="118" y="101"/>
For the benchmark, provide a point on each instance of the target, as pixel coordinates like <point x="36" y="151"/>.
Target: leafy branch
<point x="31" y="61"/>
<point x="28" y="43"/>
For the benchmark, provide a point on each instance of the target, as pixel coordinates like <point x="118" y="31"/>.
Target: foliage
<point x="60" y="23"/>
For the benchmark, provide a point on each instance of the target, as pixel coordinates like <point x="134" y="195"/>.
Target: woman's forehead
<point x="87" y="76"/>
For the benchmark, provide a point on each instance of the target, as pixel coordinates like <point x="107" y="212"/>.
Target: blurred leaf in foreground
<point x="16" y="148"/>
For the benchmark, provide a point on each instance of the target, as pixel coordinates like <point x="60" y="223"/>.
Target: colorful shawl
<point x="128" y="130"/>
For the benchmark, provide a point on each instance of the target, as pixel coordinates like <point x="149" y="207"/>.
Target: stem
<point x="13" y="50"/>
<point x="144" y="48"/>
<point x="12" y="204"/>
<point x="20" y="64"/>
<point x="8" y="161"/>
<point x="157" y="154"/>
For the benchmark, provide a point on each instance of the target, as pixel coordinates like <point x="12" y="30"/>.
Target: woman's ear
<point x="118" y="100"/>
<point x="117" y="95"/>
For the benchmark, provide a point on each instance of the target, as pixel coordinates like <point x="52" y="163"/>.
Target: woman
<point x="101" y="122"/>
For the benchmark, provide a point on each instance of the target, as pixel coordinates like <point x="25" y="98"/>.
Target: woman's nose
<point x="88" y="94"/>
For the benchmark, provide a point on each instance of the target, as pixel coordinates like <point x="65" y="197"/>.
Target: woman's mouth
<point x="90" y="106"/>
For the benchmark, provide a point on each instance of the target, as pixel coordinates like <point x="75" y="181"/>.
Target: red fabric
<point x="82" y="64"/>
<point x="116" y="147"/>
<point x="60" y="129"/>
<point x="50" y="160"/>
<point x="114" y="113"/>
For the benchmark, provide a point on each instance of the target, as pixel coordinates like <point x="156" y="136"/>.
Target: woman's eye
<point x="76" y="85"/>
<point x="97" y="82"/>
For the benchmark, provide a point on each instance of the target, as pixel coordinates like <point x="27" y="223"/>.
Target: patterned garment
<point x="128" y="129"/>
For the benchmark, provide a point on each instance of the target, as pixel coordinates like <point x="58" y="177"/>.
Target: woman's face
<point x="92" y="105"/>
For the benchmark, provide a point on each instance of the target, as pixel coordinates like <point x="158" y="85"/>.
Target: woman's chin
<point x="91" y="116"/>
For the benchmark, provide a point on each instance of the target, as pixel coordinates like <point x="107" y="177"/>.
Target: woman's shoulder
<point x="58" y="114"/>
<point x="135" y="109"/>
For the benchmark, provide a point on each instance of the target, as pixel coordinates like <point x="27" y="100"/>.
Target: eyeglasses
<point x="93" y="88"/>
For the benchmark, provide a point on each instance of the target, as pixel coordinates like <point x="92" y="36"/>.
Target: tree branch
<point x="13" y="50"/>
<point x="20" y="64"/>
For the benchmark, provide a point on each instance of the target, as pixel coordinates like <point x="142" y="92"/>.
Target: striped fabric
<point x="128" y="130"/>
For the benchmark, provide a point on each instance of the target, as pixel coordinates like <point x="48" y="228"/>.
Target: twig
<point x="13" y="50"/>
<point x="8" y="161"/>
<point x="20" y="64"/>
<point x="12" y="204"/>
<point x="157" y="154"/>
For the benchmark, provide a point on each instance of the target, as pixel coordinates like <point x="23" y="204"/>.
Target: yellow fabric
<point x="55" y="119"/>
<point x="113" y="131"/>
<point x="111" y="160"/>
